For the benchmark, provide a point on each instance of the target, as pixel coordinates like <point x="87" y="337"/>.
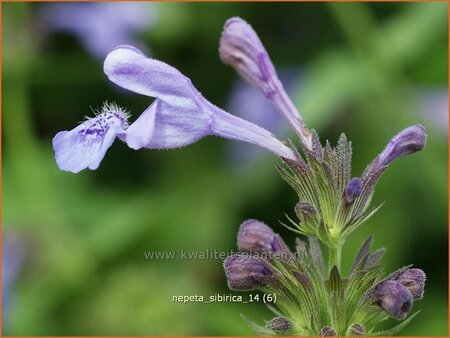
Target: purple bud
<point x="255" y="236"/>
<point x="394" y="298"/>
<point x="246" y="273"/>
<point x="407" y="141"/>
<point x="241" y="48"/>
<point x="414" y="280"/>
<point x="280" y="325"/>
<point x="353" y="190"/>
<point x="280" y="246"/>
<point x="356" y="330"/>
<point x="327" y="331"/>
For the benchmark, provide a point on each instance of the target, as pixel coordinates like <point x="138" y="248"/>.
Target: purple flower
<point x="245" y="272"/>
<point x="178" y="116"/>
<point x="249" y="104"/>
<point x="255" y="236"/>
<point x="408" y="141"/>
<point x="100" y="26"/>
<point x="86" y="145"/>
<point x="353" y="190"/>
<point x="394" y="298"/>
<point x="414" y="280"/>
<point x="241" y="48"/>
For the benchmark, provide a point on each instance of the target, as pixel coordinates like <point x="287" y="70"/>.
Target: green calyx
<point x="320" y="182"/>
<point x="313" y="299"/>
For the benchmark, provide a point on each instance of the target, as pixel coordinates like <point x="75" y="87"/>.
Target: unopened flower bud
<point x="280" y="325"/>
<point x="414" y="280"/>
<point x="394" y="298"/>
<point x="305" y="211"/>
<point x="241" y="48"/>
<point x="356" y="330"/>
<point x="353" y="190"/>
<point x="327" y="331"/>
<point x="280" y="246"/>
<point x="246" y="273"/>
<point x="407" y="141"/>
<point x="255" y="236"/>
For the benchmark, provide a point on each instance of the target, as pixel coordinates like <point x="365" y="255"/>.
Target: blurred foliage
<point x="85" y="271"/>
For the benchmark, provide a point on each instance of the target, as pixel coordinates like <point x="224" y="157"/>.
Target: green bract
<point x="316" y="302"/>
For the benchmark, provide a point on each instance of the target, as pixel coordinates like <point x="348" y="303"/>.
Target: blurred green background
<point x="75" y="263"/>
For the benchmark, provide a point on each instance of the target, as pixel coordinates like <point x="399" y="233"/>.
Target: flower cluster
<point x="312" y="298"/>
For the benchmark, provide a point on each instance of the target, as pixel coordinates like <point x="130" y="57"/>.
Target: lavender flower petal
<point x="86" y="145"/>
<point x="180" y="113"/>
<point x="409" y="140"/>
<point x="234" y="128"/>
<point x="251" y="105"/>
<point x="140" y="133"/>
<point x="129" y="68"/>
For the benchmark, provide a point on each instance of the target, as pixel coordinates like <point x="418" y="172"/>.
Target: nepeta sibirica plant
<point x="311" y="298"/>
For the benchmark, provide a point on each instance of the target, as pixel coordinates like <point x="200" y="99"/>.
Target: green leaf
<point x="300" y="247"/>
<point x="357" y="288"/>
<point x="355" y="222"/>
<point x="316" y="151"/>
<point x="274" y="310"/>
<point x="325" y="187"/>
<point x="363" y="251"/>
<point x="374" y="258"/>
<point x="397" y="328"/>
<point x="298" y="176"/>
<point x="334" y="282"/>
<point x="316" y="255"/>
<point x="369" y="181"/>
<point x="343" y="162"/>
<point x="296" y="230"/>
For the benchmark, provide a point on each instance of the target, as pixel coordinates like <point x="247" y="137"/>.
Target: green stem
<point x="334" y="257"/>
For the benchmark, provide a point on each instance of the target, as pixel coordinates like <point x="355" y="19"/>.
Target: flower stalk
<point x="334" y="257"/>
